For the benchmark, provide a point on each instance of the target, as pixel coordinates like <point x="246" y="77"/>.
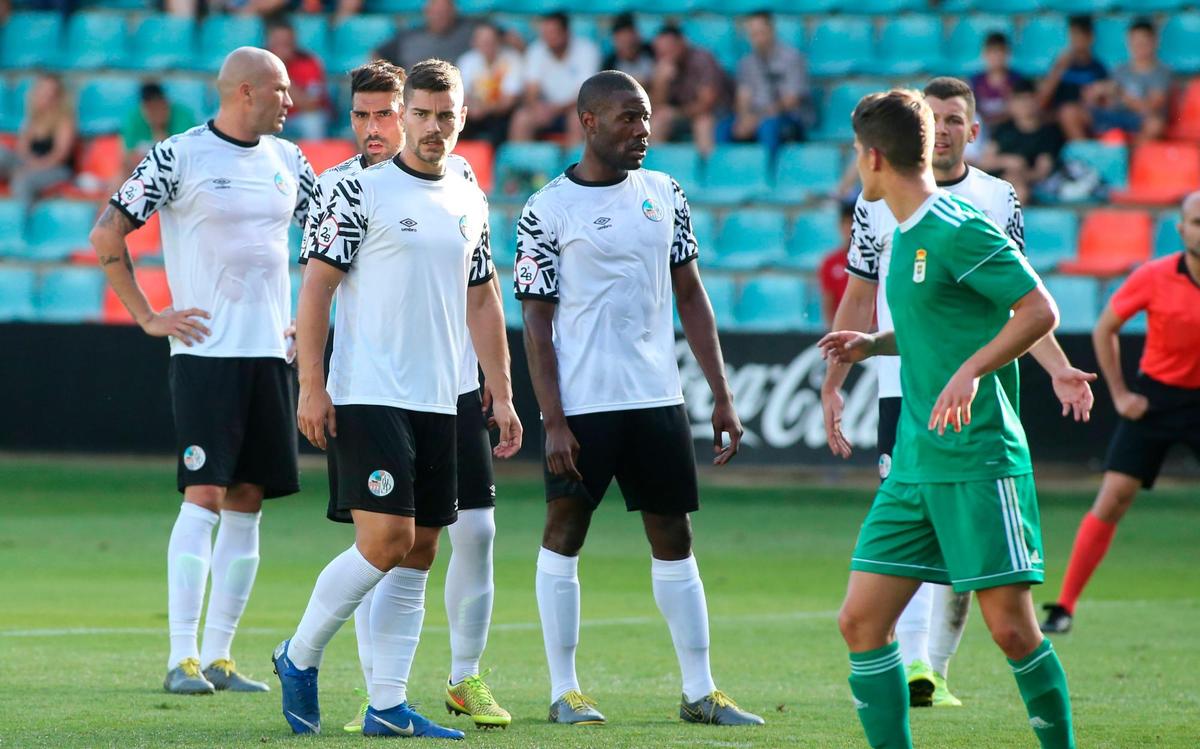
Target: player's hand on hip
<point x="832" y="404"/>
<point x="846" y="346"/>
<point x="182" y="324"/>
<point x="1132" y="406"/>
<point x="315" y="415"/>
<point x="1073" y="391"/>
<point x="953" y="406"/>
<point x="562" y="451"/>
<point x="725" y="422"/>
<point x="511" y="432"/>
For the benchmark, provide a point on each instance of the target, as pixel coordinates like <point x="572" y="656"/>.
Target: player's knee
<point x="243" y="498"/>
<point x="567" y="522"/>
<point x="1015" y="640"/>
<point x="859" y="632"/>
<point x="474" y="529"/>
<point x="670" y="536"/>
<point x="423" y="552"/>
<point x="208" y="497"/>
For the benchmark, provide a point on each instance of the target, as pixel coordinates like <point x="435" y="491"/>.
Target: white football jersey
<point x="871" y="247"/>
<point x="410" y="243"/>
<point x="603" y="253"/>
<point x="352" y="167"/>
<point x="225" y="207"/>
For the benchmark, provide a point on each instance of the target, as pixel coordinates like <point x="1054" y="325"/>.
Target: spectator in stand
<point x="308" y="118"/>
<point x="688" y="92"/>
<point x="773" y="100"/>
<point x="1136" y="98"/>
<point x="445" y="36"/>
<point x="631" y="54"/>
<point x="45" y="148"/>
<point x="556" y="65"/>
<point x="1025" y="149"/>
<point x="993" y="87"/>
<point x="1062" y="90"/>
<point x="154" y="119"/>
<point x="491" y="73"/>
<point x="832" y="273"/>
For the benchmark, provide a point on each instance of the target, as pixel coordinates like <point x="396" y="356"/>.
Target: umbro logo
<point x="604" y="222"/>
<point x="408" y="224"/>
<point x="222" y="183"/>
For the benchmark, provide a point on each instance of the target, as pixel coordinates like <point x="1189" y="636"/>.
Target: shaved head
<point x="1189" y="224"/>
<point x="253" y="84"/>
<point x="1191" y="203"/>
<point x="249" y="65"/>
<point x="606" y="87"/>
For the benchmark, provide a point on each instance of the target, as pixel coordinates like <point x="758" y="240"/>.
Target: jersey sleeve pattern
<point x="988" y="262"/>
<point x="304" y="193"/>
<point x="866" y="246"/>
<point x="153" y="184"/>
<point x="535" y="273"/>
<point x="343" y="225"/>
<point x="684" y="248"/>
<point x="315" y="206"/>
<point x="1015" y="226"/>
<point x="482" y="269"/>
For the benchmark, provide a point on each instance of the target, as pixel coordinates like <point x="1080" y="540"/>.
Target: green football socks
<point x="881" y="696"/>
<point x="1043" y="685"/>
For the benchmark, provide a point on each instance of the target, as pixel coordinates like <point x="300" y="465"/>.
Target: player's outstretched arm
<point x="485" y="319"/>
<point x="1071" y="385"/>
<point x="1107" y="343"/>
<point x="562" y="449"/>
<point x="852" y="346"/>
<point x="314" y="408"/>
<point x="700" y="328"/>
<point x="854" y="312"/>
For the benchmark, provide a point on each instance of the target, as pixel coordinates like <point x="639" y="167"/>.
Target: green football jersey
<point x="953" y="279"/>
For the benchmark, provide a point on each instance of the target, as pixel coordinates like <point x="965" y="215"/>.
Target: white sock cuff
<point x="362" y="566"/>
<point x="408" y="573"/>
<point x="553" y="563"/>
<point x="194" y="511"/>
<point x="246" y="520"/>
<point x="682" y="569"/>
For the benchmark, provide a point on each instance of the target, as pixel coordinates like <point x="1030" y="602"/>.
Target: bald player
<point x="226" y="192"/>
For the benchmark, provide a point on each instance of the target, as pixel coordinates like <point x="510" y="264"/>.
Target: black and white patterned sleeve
<point x="315" y="206"/>
<point x="535" y="272"/>
<point x="306" y="185"/>
<point x="866" y="246"/>
<point x="482" y="269"/>
<point x="684" y="248"/>
<point x="1014" y="227"/>
<point x="342" y="228"/>
<point x="153" y="184"/>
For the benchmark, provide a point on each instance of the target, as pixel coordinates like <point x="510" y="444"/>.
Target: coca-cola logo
<point x="780" y="404"/>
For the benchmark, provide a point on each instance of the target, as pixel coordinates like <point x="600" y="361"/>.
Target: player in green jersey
<point x="959" y="506"/>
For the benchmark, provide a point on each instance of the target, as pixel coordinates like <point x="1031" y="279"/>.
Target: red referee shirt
<point x="1171" y="298"/>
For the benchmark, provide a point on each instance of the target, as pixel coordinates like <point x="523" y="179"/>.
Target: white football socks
<point x="950" y="611"/>
<point x="339" y="589"/>
<point x="188" y="554"/>
<point x="558" y="605"/>
<point x="234" y="565"/>
<point x="912" y="628"/>
<point x="362" y="635"/>
<point x="397" y="613"/>
<point x="679" y="593"/>
<point x="469" y="589"/>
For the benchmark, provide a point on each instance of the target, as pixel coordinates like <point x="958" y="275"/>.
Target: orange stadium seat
<point x="99" y="165"/>
<point x="480" y="156"/>
<point x="1111" y="242"/>
<point x="1185" y="123"/>
<point x="153" y="281"/>
<point x="325" y="153"/>
<point x="142" y="243"/>
<point x="1162" y="173"/>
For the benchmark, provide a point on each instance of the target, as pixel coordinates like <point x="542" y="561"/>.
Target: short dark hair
<point x="558" y="16"/>
<point x="1143" y="24"/>
<point x="1081" y="23"/>
<point x="377" y="76"/>
<point x="623" y="22"/>
<point x="764" y="14"/>
<point x="670" y="29"/>
<point x="279" y="22"/>
<point x="152" y="91"/>
<point x="996" y="39"/>
<point x="898" y="124"/>
<point x="602" y="88"/>
<point x="946" y="87"/>
<point x="432" y="75"/>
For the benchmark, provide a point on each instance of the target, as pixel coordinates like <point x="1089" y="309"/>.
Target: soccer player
<point x="375" y="92"/>
<point x="599" y="251"/>
<point x="1161" y="409"/>
<point x="405" y="230"/>
<point x="931" y="626"/>
<point x="227" y="191"/>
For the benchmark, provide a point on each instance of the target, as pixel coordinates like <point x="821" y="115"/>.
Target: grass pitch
<point x="83" y="623"/>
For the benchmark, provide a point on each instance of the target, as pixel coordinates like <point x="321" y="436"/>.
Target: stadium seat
<point x="805" y="170"/>
<point x="100" y="164"/>
<point x="393" y="6"/>
<point x="1161" y="173"/>
<point x="1110" y="40"/>
<point x="1185" y="124"/>
<point x="1008" y="6"/>
<point x="1051" y="236"/>
<point x="145" y="241"/>
<point x="838" y="106"/>
<point x="964" y="46"/>
<point x="1178" y="49"/>
<point x="1166" y="234"/>
<point x="31" y="40"/>
<point x="94" y="40"/>
<point x="513" y="319"/>
<point x="503" y="227"/>
<point x="312" y="34"/>
<point x="220" y="35"/>
<point x="734" y="173"/>
<point x="680" y="160"/>
<point x="12" y="228"/>
<point x="58" y="227"/>
<point x="522" y="168"/>
<point x="704" y="229"/>
<point x="327" y="152"/>
<point x="17" y="287"/>
<point x="162" y="42"/>
<point x="71" y="295"/>
<point x="813" y="235"/>
<point x="775" y="303"/>
<point x="11" y="109"/>
<point x="105" y="103"/>
<point x="192" y="94"/>
<point x="1111" y="160"/>
<point x="1041" y="40"/>
<point x="482" y="157"/>
<point x="722" y="294"/>
<point x="1069" y="7"/>
<point x="154" y="284"/>
<point x="751" y="240"/>
<point x="355" y="38"/>
<point x="882" y="7"/>
<point x="908" y="45"/>
<point x="1148" y="6"/>
<point x="840" y="46"/>
<point x="718" y="36"/>
<point x="1111" y="242"/>
<point x="1078" y="302"/>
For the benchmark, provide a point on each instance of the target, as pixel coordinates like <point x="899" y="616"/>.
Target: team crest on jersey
<point x="885" y="465"/>
<point x="327" y="231"/>
<point x="133" y="191"/>
<point x="652" y="210"/>
<point x="281" y="184"/>
<point x="527" y="271"/>
<point x="380" y="483"/>
<point x="919" y="267"/>
<point x="193" y="457"/>
<point x="464" y="226"/>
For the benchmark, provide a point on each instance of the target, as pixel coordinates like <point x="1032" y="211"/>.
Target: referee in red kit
<point x="1161" y="409"/>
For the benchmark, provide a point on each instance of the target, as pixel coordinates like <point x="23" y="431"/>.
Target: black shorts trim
<point x="1139" y="448"/>
<point x="648" y="451"/>
<point x="235" y="422"/>
<point x="885" y="433"/>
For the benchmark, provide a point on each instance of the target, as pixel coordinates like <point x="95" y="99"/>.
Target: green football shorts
<point x="972" y="535"/>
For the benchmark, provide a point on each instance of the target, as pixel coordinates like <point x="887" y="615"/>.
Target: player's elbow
<point x="1041" y="311"/>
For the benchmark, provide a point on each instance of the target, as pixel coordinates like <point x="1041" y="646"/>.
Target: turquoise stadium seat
<point x="790" y="30"/>
<point x="838" y="106"/>
<point x="718" y="36"/>
<point x="312" y="35"/>
<point x="804" y="170"/>
<point x="56" y="228"/>
<point x="1166" y="234"/>
<point x="704" y="228"/>
<point x="1008" y="6"/>
<point x="1111" y="160"/>
<point x="1051" y="236"/>
<point x="71" y="295"/>
<point x="909" y="45"/>
<point x="1135" y="324"/>
<point x="512" y="306"/>
<point x="882" y="7"/>
<point x="751" y="240"/>
<point x="476" y="7"/>
<point x="813" y="235"/>
<point x="355" y="38"/>
<point x="104" y="104"/>
<point x="1079" y="6"/>
<point x="162" y="42"/>
<point x="393" y="6"/>
<point x="1148" y="6"/>
<point x="17" y="287"/>
<point x="11" y="109"/>
<point x="734" y="173"/>
<point x="1041" y="40"/>
<point x="840" y="46"/>
<point x="775" y="303"/>
<point x="722" y="294"/>
<point x="12" y="228"/>
<point x="503" y="228"/>
<point x="522" y="168"/>
<point x="31" y="40"/>
<point x="220" y="35"/>
<point x="95" y="40"/>
<point x="1110" y="40"/>
<point x="1078" y="301"/>
<point x="193" y="94"/>
<point x="680" y="160"/>
<point x="1178" y="48"/>
<point x="964" y="46"/>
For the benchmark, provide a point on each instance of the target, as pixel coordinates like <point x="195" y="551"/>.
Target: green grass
<point x="83" y="623"/>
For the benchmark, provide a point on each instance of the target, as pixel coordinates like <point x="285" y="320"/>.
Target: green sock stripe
<point x="886" y="660"/>
<point x="867" y="656"/>
<point x="1030" y="662"/>
<point x="877" y="671"/>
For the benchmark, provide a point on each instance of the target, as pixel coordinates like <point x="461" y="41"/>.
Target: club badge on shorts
<point x="380" y="483"/>
<point x="885" y="465"/>
<point x="194" y="457"/>
<point x="652" y="210"/>
<point x="919" y="267"/>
